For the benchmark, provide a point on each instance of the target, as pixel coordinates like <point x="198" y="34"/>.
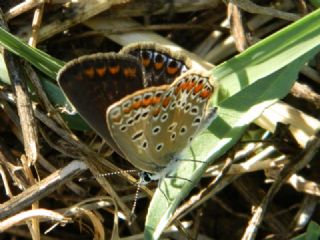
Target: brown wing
<point x="93" y="82"/>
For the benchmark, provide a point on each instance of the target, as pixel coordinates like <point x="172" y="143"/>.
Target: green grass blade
<point x="44" y="62"/>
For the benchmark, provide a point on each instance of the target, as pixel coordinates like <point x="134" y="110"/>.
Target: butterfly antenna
<point x="108" y="174"/>
<point x="135" y="200"/>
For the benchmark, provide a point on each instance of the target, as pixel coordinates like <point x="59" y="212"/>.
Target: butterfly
<point x="145" y="101"/>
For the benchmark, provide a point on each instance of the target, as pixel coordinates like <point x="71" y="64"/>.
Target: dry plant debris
<point x="41" y="158"/>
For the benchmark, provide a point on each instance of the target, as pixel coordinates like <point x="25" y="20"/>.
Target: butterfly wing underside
<point x="153" y="125"/>
<point x="93" y="82"/>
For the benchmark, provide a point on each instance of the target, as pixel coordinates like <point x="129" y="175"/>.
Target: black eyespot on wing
<point x="137" y="117"/>
<point x="137" y="135"/>
<point x="130" y="121"/>
<point x="156" y="130"/>
<point x="123" y="128"/>
<point x="145" y="114"/>
<point x="159" y="147"/>
<point x="183" y="130"/>
<point x="173" y="136"/>
<point x="164" y="117"/>
<point x="144" y="145"/>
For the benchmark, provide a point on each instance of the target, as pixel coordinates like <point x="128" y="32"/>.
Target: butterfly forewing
<point x="93" y="82"/>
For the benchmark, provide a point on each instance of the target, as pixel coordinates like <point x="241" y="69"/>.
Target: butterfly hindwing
<point x="153" y="125"/>
<point x="180" y="116"/>
<point x="128" y="124"/>
<point x="161" y="65"/>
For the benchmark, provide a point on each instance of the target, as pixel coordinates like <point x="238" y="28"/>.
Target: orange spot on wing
<point x="189" y="86"/>
<point x="101" y="71"/>
<point x="116" y="119"/>
<point x="184" y="86"/>
<point x="177" y="90"/>
<point x="166" y="102"/>
<point x="146" y="102"/>
<point x="198" y="88"/>
<point x="127" y="110"/>
<point x="146" y="61"/>
<point x="114" y="69"/>
<point x="130" y="72"/>
<point x="205" y="93"/>
<point x="156" y="112"/>
<point x="136" y="104"/>
<point x="89" y="72"/>
<point x="158" y="65"/>
<point x="172" y="70"/>
<point x="156" y="100"/>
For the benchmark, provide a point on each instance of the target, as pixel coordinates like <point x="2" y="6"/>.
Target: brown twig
<point x="249" y="6"/>
<point x="304" y="158"/>
<point x="41" y="189"/>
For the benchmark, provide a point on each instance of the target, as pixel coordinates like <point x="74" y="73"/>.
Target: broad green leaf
<point x="250" y="82"/>
<point x="312" y="233"/>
